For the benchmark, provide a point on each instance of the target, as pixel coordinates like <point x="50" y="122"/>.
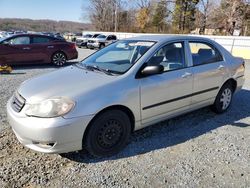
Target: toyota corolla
<point x="130" y="84"/>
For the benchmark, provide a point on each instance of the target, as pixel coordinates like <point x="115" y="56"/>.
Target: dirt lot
<point x="200" y="149"/>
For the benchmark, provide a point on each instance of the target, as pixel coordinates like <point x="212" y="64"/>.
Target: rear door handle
<point x="186" y="75"/>
<point x="50" y="47"/>
<point x="221" y="67"/>
<point x="26" y="48"/>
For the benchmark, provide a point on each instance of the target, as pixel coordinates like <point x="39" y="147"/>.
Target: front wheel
<point x="59" y="59"/>
<point x="108" y="133"/>
<point x="223" y="99"/>
<point x="101" y="46"/>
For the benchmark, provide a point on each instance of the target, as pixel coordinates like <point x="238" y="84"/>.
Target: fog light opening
<point x="46" y="145"/>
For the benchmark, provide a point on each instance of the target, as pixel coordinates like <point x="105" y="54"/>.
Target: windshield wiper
<point x="106" y="71"/>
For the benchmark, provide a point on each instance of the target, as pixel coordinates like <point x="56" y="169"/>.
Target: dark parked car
<point x="30" y="48"/>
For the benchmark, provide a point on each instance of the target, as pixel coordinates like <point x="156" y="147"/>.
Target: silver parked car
<point x="82" y="41"/>
<point x="101" y="41"/>
<point x="126" y="86"/>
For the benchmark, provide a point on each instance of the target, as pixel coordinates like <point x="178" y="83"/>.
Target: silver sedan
<point x="130" y="84"/>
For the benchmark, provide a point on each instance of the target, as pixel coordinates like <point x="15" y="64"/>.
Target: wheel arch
<point x="113" y="107"/>
<point x="61" y="51"/>
<point x="231" y="81"/>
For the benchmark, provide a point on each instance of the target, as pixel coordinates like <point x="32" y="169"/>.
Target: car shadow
<point x="177" y="130"/>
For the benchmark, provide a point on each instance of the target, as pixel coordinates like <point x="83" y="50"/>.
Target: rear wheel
<point x="59" y="59"/>
<point x="108" y="133"/>
<point x="223" y="99"/>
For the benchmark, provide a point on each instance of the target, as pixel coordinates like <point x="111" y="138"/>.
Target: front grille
<point x="17" y="102"/>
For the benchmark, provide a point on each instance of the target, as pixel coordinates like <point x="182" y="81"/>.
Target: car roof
<point x="165" y="38"/>
<point x="32" y="35"/>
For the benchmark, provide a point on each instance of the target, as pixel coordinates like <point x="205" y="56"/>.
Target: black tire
<point x="59" y="59"/>
<point x="108" y="133"/>
<point x="101" y="46"/>
<point x="223" y="99"/>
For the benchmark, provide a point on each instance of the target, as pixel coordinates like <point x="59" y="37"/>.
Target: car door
<point x="42" y="48"/>
<point x="6" y="53"/>
<point x="168" y="93"/>
<point x="208" y="70"/>
<point x="15" y="50"/>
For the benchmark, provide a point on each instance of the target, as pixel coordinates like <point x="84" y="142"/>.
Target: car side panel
<point x="39" y="51"/>
<point x="65" y="47"/>
<point x="7" y="54"/>
<point x="165" y="93"/>
<point x="208" y="79"/>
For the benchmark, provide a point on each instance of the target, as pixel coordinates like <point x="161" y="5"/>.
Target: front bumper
<point x="240" y="82"/>
<point x="93" y="45"/>
<point x="81" y="44"/>
<point x="48" y="135"/>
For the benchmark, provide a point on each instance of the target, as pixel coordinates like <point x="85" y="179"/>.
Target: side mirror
<point x="152" y="70"/>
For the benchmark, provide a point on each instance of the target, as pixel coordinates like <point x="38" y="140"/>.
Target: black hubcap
<point x="110" y="134"/>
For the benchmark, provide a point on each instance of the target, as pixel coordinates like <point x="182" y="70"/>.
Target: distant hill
<point x="7" y="24"/>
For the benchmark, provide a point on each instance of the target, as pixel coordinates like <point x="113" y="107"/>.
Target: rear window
<point x="37" y="40"/>
<point x="203" y="53"/>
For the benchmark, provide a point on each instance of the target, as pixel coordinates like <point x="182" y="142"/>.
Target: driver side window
<point x="19" y="41"/>
<point x="171" y="57"/>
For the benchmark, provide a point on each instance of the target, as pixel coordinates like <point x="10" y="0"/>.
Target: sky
<point x="69" y="10"/>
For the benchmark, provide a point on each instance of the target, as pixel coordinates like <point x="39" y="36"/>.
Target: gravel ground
<point x="200" y="149"/>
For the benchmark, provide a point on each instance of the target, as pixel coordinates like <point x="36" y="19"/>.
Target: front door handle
<point x="50" y="47"/>
<point x="26" y="48"/>
<point x="221" y="67"/>
<point x="186" y="75"/>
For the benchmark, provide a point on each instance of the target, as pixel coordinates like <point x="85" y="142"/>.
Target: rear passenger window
<point x="37" y="40"/>
<point x="203" y="53"/>
<point x="170" y="56"/>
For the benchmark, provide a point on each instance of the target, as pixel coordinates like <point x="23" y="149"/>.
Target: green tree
<point x="160" y="15"/>
<point x="184" y="15"/>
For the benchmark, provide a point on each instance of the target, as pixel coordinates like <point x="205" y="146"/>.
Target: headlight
<point x="49" y="108"/>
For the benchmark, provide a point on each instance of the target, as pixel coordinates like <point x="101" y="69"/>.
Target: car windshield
<point x="95" y="35"/>
<point x="101" y="36"/>
<point x="87" y="36"/>
<point x="118" y="57"/>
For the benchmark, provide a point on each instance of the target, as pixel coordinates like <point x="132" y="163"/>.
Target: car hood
<point x="82" y="38"/>
<point x="71" y="82"/>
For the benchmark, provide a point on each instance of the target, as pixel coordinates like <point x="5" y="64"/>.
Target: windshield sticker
<point x="149" y="44"/>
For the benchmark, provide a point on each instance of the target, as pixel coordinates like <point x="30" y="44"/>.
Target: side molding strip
<point x="179" y="98"/>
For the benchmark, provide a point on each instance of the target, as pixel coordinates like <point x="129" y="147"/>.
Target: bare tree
<point x="143" y="3"/>
<point x="230" y="15"/>
<point x="204" y="13"/>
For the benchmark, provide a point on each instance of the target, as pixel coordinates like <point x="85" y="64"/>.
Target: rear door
<point x="208" y="70"/>
<point x="42" y="48"/>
